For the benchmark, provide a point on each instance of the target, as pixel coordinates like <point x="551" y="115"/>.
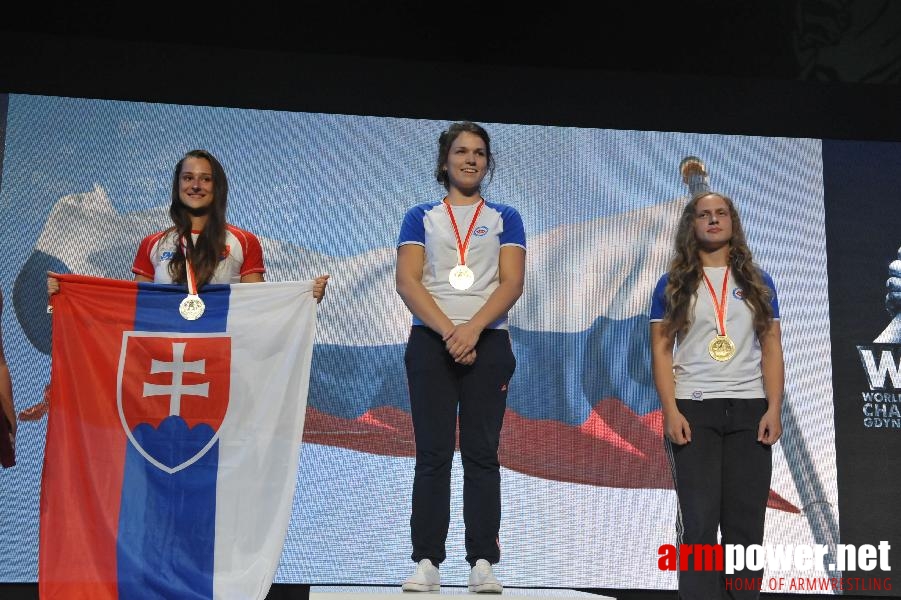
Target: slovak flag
<point x="172" y="445"/>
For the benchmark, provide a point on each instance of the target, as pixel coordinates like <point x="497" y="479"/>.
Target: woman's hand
<point x="676" y="427"/>
<point x="770" y="429"/>
<point x="468" y="359"/>
<point x="319" y="285"/>
<point x="36" y="411"/>
<point x="462" y="339"/>
<point x="52" y="283"/>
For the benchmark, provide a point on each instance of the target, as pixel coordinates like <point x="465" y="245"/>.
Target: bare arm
<point x="675" y="425"/>
<point x="53" y="282"/>
<point x="772" y="366"/>
<point x="408" y="282"/>
<point x="6" y="396"/>
<point x="252" y="278"/>
<point x="319" y="284"/>
<point x="7" y="408"/>
<point x="511" y="273"/>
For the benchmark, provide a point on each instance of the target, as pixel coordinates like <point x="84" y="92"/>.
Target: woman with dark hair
<point x="721" y="390"/>
<point x="460" y="268"/>
<point x="217" y="251"/>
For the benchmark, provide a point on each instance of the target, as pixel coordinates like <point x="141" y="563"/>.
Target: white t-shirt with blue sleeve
<point x="429" y="226"/>
<point x="697" y="374"/>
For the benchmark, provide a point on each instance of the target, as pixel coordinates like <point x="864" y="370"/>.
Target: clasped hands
<point x="461" y="342"/>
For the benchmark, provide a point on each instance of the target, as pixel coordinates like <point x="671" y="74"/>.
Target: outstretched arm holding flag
<point x="7" y="410"/>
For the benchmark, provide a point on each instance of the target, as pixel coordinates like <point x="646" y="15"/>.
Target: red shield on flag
<point x="181" y="375"/>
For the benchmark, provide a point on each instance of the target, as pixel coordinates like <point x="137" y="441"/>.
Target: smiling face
<point x="467" y="162"/>
<point x="195" y="184"/>
<point x="713" y="222"/>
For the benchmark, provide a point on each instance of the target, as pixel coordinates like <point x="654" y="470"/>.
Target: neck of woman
<point x="197" y="223"/>
<point x="458" y="197"/>
<point x="717" y="257"/>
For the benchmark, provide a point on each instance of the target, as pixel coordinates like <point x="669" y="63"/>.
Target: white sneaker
<point x="425" y="578"/>
<point x="482" y="579"/>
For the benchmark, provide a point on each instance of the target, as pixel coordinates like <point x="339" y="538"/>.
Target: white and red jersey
<point x="243" y="255"/>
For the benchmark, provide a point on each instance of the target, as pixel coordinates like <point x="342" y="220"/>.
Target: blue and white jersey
<point x="697" y="374"/>
<point x="429" y="225"/>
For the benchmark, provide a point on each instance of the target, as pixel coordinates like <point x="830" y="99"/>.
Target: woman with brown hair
<point x="217" y="251"/>
<point x="460" y="268"/>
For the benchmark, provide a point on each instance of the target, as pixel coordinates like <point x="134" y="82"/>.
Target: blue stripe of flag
<point x="167" y="522"/>
<point x="157" y="309"/>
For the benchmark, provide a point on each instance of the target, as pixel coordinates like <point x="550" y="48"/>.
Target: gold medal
<point x="461" y="277"/>
<point x="191" y="307"/>
<point x="721" y="348"/>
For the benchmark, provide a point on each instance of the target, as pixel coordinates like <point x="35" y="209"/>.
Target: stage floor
<point x="394" y="592"/>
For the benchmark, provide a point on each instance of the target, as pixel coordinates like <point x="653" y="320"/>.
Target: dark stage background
<point x="826" y="69"/>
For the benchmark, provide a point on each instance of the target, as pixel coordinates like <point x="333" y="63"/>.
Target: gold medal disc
<point x="721" y="348"/>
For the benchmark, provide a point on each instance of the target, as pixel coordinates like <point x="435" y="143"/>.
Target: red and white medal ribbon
<point x="721" y="347"/>
<point x="461" y="277"/>
<point x="191" y="307"/>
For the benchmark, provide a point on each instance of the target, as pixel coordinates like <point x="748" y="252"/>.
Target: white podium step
<point x="395" y="593"/>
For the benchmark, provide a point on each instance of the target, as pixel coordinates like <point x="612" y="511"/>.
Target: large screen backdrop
<point x="587" y="493"/>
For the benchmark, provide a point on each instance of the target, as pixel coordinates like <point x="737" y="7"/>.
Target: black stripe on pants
<point x="722" y="480"/>
<point x="438" y="387"/>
